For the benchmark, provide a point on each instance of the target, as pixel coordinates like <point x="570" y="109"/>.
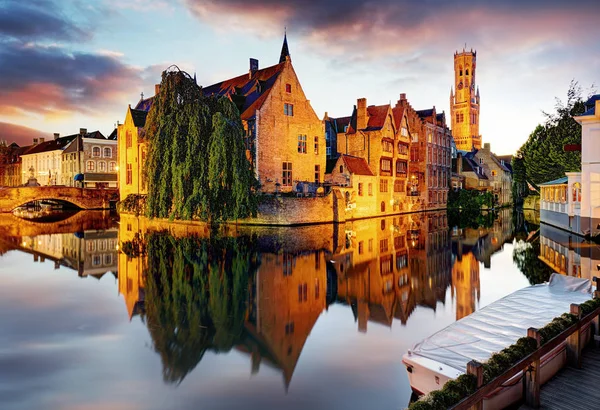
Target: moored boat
<point x="444" y="355"/>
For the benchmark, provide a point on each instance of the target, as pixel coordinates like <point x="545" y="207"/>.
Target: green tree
<point x="543" y="154"/>
<point x="525" y="256"/>
<point x="519" y="179"/>
<point x="196" y="165"/>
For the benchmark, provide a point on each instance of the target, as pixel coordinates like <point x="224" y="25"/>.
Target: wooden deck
<point x="574" y="388"/>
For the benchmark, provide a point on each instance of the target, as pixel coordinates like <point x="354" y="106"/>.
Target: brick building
<point x="438" y="154"/>
<point x="10" y="165"/>
<point x="284" y="137"/>
<point x="133" y="148"/>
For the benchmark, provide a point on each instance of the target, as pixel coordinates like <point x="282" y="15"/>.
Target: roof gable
<point x="247" y="91"/>
<point x="357" y="166"/>
<point x="377" y="116"/>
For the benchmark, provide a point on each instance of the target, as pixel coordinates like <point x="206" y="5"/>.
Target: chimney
<point x="41" y="140"/>
<point x="156" y="89"/>
<point x="403" y="97"/>
<point x="35" y="141"/>
<point x="56" y="135"/>
<point x="253" y="64"/>
<point x="82" y="131"/>
<point x="361" y="113"/>
<point x="486" y="146"/>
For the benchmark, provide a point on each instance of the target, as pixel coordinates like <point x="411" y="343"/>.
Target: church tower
<point x="464" y="104"/>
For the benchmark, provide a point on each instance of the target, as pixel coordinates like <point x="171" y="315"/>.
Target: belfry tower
<point x="464" y="105"/>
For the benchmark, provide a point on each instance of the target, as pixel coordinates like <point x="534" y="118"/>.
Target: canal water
<point x="102" y="312"/>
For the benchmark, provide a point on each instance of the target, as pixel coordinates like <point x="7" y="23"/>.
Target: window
<point x="576" y="192"/>
<point x="288" y="88"/>
<point x="404" y="132"/>
<point x="328" y="151"/>
<point x="129" y="175"/>
<point x="302" y="144"/>
<point x="97" y="260"/>
<point x="101" y="166"/>
<point x="287" y="264"/>
<point x="383" y="205"/>
<point x="462" y="117"/>
<point x="460" y="71"/>
<point x="317" y="173"/>
<point x="317" y="288"/>
<point x="361" y="247"/>
<point x="383" y="224"/>
<point x="383" y="245"/>
<point x="467" y="72"/>
<point x="401" y="167"/>
<point x="341" y="169"/>
<point x="112" y="166"/>
<point x="402" y="149"/>
<point x="386" y="166"/>
<point x="302" y="293"/>
<point x="360" y="189"/>
<point x="383" y="185"/>
<point x="128" y="140"/>
<point x="494" y="173"/>
<point x="399" y="186"/>
<point x="287" y="174"/>
<point x="481" y="160"/>
<point x="289" y="328"/>
<point x="370" y="189"/>
<point x="96" y="151"/>
<point x="90" y="166"/>
<point x="107" y="152"/>
<point x="387" y="146"/>
<point x="316" y="145"/>
<point x="288" y="109"/>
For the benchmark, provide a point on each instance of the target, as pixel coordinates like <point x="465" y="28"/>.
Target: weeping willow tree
<point x="196" y="165"/>
<point x="196" y="297"/>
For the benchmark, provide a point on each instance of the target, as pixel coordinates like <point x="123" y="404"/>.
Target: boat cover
<point x="502" y="323"/>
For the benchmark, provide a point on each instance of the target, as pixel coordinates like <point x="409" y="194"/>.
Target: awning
<point x="78" y="177"/>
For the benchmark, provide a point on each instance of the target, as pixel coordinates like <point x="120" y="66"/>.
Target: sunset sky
<point x="71" y="64"/>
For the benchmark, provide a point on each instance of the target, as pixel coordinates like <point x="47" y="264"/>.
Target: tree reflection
<point x="196" y="297"/>
<point x="525" y="256"/>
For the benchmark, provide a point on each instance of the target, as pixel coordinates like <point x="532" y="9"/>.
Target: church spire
<point x="285" y="51"/>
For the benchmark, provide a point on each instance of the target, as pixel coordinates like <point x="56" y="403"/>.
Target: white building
<point x="43" y="161"/>
<point x="93" y="157"/>
<point x="573" y="202"/>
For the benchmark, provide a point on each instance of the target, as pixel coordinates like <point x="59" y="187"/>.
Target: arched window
<point x="341" y="169"/>
<point x="576" y="192"/>
<point x="112" y="166"/>
<point x="460" y="70"/>
<point x="90" y="166"/>
<point x="107" y="152"/>
<point x="102" y="166"/>
<point x="382" y="206"/>
<point x="467" y="72"/>
<point x="383" y="224"/>
<point x="96" y="151"/>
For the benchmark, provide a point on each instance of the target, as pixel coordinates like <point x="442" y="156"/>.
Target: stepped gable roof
<point x="145" y="104"/>
<point x="52" y="145"/>
<point x="139" y="117"/>
<point x="357" y="166"/>
<point x="113" y="135"/>
<point x="377" y="115"/>
<point x="247" y="91"/>
<point x="559" y="181"/>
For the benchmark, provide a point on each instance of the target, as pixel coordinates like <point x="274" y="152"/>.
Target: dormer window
<point x="481" y="160"/>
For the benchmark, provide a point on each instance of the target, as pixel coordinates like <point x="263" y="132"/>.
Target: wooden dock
<point x="573" y="388"/>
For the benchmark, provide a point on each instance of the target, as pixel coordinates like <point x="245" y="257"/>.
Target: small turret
<point x="285" y="51"/>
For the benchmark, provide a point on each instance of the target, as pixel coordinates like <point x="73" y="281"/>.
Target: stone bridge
<point x="84" y="198"/>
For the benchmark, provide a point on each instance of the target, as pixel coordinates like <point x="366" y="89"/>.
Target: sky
<point x="73" y="64"/>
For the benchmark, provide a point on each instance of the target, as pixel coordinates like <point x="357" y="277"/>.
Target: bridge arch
<point x="83" y="198"/>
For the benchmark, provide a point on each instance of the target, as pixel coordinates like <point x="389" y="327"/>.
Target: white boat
<point x="444" y="355"/>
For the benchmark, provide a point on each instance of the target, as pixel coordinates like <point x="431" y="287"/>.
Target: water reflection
<point x="304" y="306"/>
<point x="262" y="296"/>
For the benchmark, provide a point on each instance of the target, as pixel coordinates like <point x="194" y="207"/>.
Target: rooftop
<point x="559" y="181"/>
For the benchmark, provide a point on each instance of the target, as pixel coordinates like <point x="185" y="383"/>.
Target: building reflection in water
<point x="568" y="254"/>
<point x="90" y="253"/>
<point x="262" y="295"/>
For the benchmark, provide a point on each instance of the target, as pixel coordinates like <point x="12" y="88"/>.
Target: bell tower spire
<point x="285" y="51"/>
<point x="464" y="107"/>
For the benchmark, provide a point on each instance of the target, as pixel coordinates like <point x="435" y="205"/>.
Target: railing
<point x="531" y="363"/>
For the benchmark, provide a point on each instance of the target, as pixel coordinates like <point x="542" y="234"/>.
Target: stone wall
<point x="284" y="210"/>
<point x="11" y="198"/>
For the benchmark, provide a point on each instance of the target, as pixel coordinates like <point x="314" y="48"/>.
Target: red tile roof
<point x="248" y="92"/>
<point x="357" y="166"/>
<point x="377" y="115"/>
